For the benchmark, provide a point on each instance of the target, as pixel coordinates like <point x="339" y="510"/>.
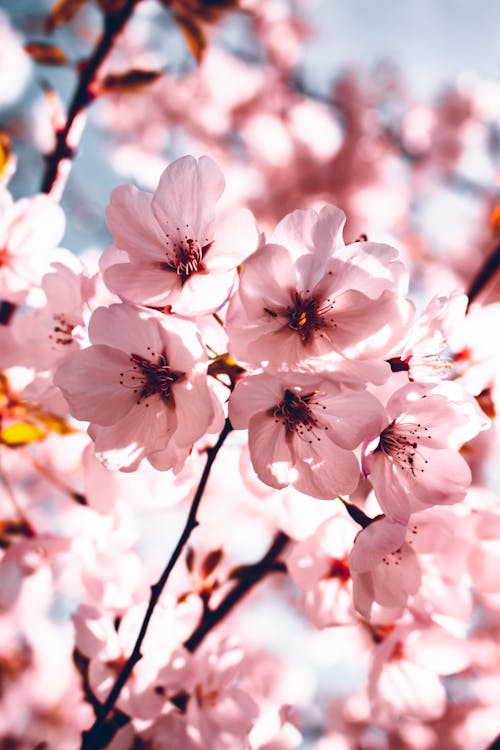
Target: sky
<point x="431" y="41"/>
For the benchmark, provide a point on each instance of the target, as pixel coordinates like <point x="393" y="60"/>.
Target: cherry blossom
<point x="384" y="568"/>
<point x="405" y="675"/>
<point x="414" y="461"/>
<point x="306" y="296"/>
<point x="318" y="565"/>
<point x="179" y="253"/>
<point x="429" y="336"/>
<point x="142" y="386"/>
<point x="302" y="430"/>
<point x="206" y="596"/>
<point x="30" y="229"/>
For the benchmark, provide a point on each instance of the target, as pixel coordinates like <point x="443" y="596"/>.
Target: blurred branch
<point x="7" y="310"/>
<point x="100" y="733"/>
<point x="113" y="25"/>
<point x="247" y="577"/>
<point x="495" y="745"/>
<point x="485" y="273"/>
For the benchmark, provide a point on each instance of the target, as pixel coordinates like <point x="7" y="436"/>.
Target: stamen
<point x="62" y="331"/>
<point x="152" y="377"/>
<point x="185" y="254"/>
<point x="295" y="412"/>
<point x="400" y="444"/>
<point x="308" y="314"/>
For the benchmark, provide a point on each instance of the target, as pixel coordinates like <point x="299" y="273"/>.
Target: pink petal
<point x="268" y="279"/>
<point x="194" y="410"/>
<point x="132" y="224"/>
<point x="386" y="479"/>
<point x="145" y="284"/>
<point x="122" y="326"/>
<point x="445" y="477"/>
<point x="269" y="451"/>
<point x="380" y="538"/>
<point x="324" y="469"/>
<point x="141" y="431"/>
<point x="352" y="417"/>
<point x="186" y="196"/>
<point x="90" y="382"/>
<point x="234" y="239"/>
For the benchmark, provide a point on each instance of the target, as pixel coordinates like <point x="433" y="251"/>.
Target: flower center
<point x="297" y="416"/>
<point x="185" y="254"/>
<point x="151" y="378"/>
<point x="188" y="258"/>
<point x="304" y="316"/>
<point x="339" y="569"/>
<point x="62" y="330"/>
<point x="400" y="443"/>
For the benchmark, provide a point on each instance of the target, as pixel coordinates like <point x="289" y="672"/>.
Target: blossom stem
<point x="356" y="513"/>
<point x="248" y="577"/>
<point x="7" y="310"/>
<point x="485" y="273"/>
<point x="113" y="25"/>
<point x="100" y="733"/>
<point x="495" y="745"/>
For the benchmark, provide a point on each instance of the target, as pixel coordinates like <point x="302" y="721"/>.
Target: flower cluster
<point x="308" y="344"/>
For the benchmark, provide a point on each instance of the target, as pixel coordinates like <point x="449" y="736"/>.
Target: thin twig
<point x="113" y="25"/>
<point x="249" y="576"/>
<point x="495" y="745"/>
<point x="7" y="310"/>
<point x="485" y="273"/>
<point x="98" y="736"/>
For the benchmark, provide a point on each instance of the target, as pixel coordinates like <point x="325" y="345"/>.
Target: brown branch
<point x="100" y="733"/>
<point x="495" y="744"/>
<point x="113" y="25"/>
<point x="248" y="576"/>
<point x="485" y="273"/>
<point x="7" y="310"/>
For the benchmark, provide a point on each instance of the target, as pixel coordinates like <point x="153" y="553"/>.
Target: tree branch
<point x="98" y="736"/>
<point x="113" y="25"/>
<point x="485" y="273"/>
<point x="249" y="576"/>
<point x="495" y="744"/>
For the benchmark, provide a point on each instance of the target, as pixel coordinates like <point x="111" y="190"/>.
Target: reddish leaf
<point x="62" y="12"/>
<point x="6" y="155"/>
<point x="190" y="559"/>
<point x="127" y="82"/>
<point x="112" y="7"/>
<point x="193" y="34"/>
<point x="495" y="219"/>
<point x="486" y="402"/>
<point x="210" y="562"/>
<point x="46" y="54"/>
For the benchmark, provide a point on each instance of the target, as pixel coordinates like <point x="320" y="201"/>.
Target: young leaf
<point x="62" y="12"/>
<point x="46" y="54"/>
<point x="131" y="80"/>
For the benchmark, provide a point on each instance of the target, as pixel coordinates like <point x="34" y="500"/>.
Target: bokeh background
<point x="390" y="110"/>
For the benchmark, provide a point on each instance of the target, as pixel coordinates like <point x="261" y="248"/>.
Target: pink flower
<point x="428" y="338"/>
<point x="302" y="429"/>
<point x="414" y="461"/>
<point x="404" y="678"/>
<point x="306" y="296"/>
<point x="142" y="385"/>
<point x="179" y="253"/>
<point x="384" y="568"/>
<point x="318" y="566"/>
<point x="220" y="712"/>
<point x="29" y="231"/>
<point x="44" y="337"/>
